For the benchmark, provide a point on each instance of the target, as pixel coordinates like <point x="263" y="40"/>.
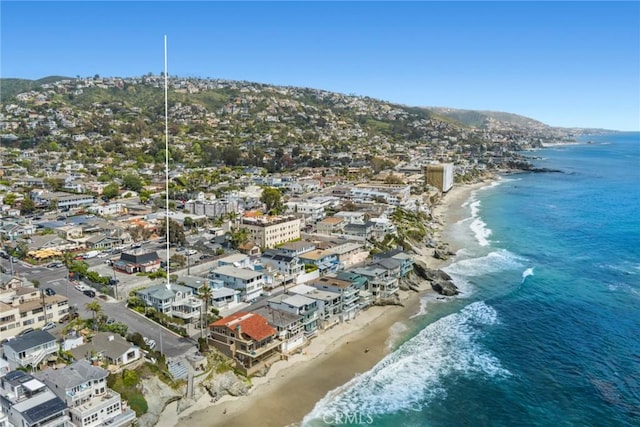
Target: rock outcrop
<point x="226" y="383"/>
<point x="158" y="395"/>
<point x="440" y="281"/>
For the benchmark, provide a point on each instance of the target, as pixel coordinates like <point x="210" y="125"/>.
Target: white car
<point x="149" y="342"/>
<point x="192" y="252"/>
<point x="103" y="255"/>
<point x="48" y="326"/>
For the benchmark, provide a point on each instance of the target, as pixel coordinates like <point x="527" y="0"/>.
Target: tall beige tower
<point x="440" y="175"/>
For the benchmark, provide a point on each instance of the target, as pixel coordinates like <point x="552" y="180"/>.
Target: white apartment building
<point x="268" y="232"/>
<point x="313" y="211"/>
<point x="250" y="283"/>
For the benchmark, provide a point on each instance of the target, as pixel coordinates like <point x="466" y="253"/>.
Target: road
<point x="56" y="279"/>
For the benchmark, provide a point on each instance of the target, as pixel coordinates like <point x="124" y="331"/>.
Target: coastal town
<point x="291" y="213"/>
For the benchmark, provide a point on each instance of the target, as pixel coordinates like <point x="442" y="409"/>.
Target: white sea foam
<point x="413" y="375"/>
<point x="493" y="262"/>
<point x="423" y="305"/>
<point x="396" y="332"/>
<point x="528" y="272"/>
<point x="480" y="231"/>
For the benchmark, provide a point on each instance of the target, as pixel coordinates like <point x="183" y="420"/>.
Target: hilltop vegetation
<point x="220" y="122"/>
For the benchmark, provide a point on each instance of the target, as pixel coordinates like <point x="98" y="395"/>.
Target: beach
<point x="291" y="388"/>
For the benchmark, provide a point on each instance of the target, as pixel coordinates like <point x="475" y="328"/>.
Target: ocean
<point x="546" y="331"/>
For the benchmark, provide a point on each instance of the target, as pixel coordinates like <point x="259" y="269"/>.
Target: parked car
<point x="48" y="326"/>
<point x="25" y="332"/>
<point x="111" y="321"/>
<point x="49" y="292"/>
<point x="69" y="316"/>
<point x="192" y="252"/>
<point x="149" y="342"/>
<point x="89" y="293"/>
<point x="180" y="249"/>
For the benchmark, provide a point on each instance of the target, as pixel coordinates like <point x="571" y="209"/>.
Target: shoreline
<point x="339" y="351"/>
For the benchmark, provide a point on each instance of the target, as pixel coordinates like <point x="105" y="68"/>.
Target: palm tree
<point x="205" y="295"/>
<point x="95" y="308"/>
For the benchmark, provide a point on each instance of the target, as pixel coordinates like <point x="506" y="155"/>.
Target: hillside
<point x="486" y="119"/>
<point x="243" y="123"/>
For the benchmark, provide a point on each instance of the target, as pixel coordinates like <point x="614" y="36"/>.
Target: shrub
<point x="129" y="378"/>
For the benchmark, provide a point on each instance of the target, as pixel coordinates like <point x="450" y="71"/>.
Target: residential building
<point x="325" y="260"/>
<point x="63" y="201"/>
<point x="268" y="232"/>
<point x="406" y="260"/>
<point x="289" y="266"/>
<point x="296" y="248"/>
<point x="236" y="260"/>
<point x="248" y="339"/>
<point x="250" y="283"/>
<point x="361" y="284"/>
<point x="83" y="387"/>
<point x="110" y="348"/>
<point x="351" y="217"/>
<point x="393" y="194"/>
<point x="383" y="282"/>
<point x="172" y="300"/>
<point x="289" y="327"/>
<point x="211" y="208"/>
<point x="28" y="402"/>
<point x="330" y="225"/>
<point x="299" y="305"/>
<point x="440" y="176"/>
<point x="27" y="307"/>
<point x="29" y="350"/>
<point x="311" y="211"/>
<point x="350" y="254"/>
<point x="221" y="298"/>
<point x="348" y="292"/>
<point x="329" y="304"/>
<point x="380" y="227"/>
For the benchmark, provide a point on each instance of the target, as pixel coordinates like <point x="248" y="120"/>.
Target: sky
<point x="569" y="64"/>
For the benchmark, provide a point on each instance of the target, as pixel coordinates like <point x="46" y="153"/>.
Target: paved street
<point x="55" y="278"/>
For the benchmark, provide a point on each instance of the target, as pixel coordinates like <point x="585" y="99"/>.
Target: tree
<point x="111" y="191"/>
<point x="95" y="308"/>
<point x="205" y="295"/>
<point x="239" y="237"/>
<point x="176" y="232"/>
<point x="10" y="199"/>
<point x="188" y="222"/>
<point x="272" y="198"/>
<point x="27" y="206"/>
<point x="132" y="182"/>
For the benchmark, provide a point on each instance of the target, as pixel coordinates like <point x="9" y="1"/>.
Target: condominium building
<point x="440" y="176"/>
<point x="268" y="232"/>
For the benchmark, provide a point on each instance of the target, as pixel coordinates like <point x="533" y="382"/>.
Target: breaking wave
<point x="412" y="377"/>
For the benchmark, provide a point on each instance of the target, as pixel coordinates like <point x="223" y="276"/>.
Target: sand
<point x="291" y="388"/>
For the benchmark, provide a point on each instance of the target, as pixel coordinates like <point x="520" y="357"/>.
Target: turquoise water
<point x="547" y="331"/>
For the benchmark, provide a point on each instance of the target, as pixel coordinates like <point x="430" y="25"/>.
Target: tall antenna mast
<point x="166" y="154"/>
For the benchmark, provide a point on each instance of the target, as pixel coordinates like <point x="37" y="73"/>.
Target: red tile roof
<point x="253" y="325"/>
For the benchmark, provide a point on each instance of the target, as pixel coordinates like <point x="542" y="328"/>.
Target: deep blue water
<point x="547" y="331"/>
